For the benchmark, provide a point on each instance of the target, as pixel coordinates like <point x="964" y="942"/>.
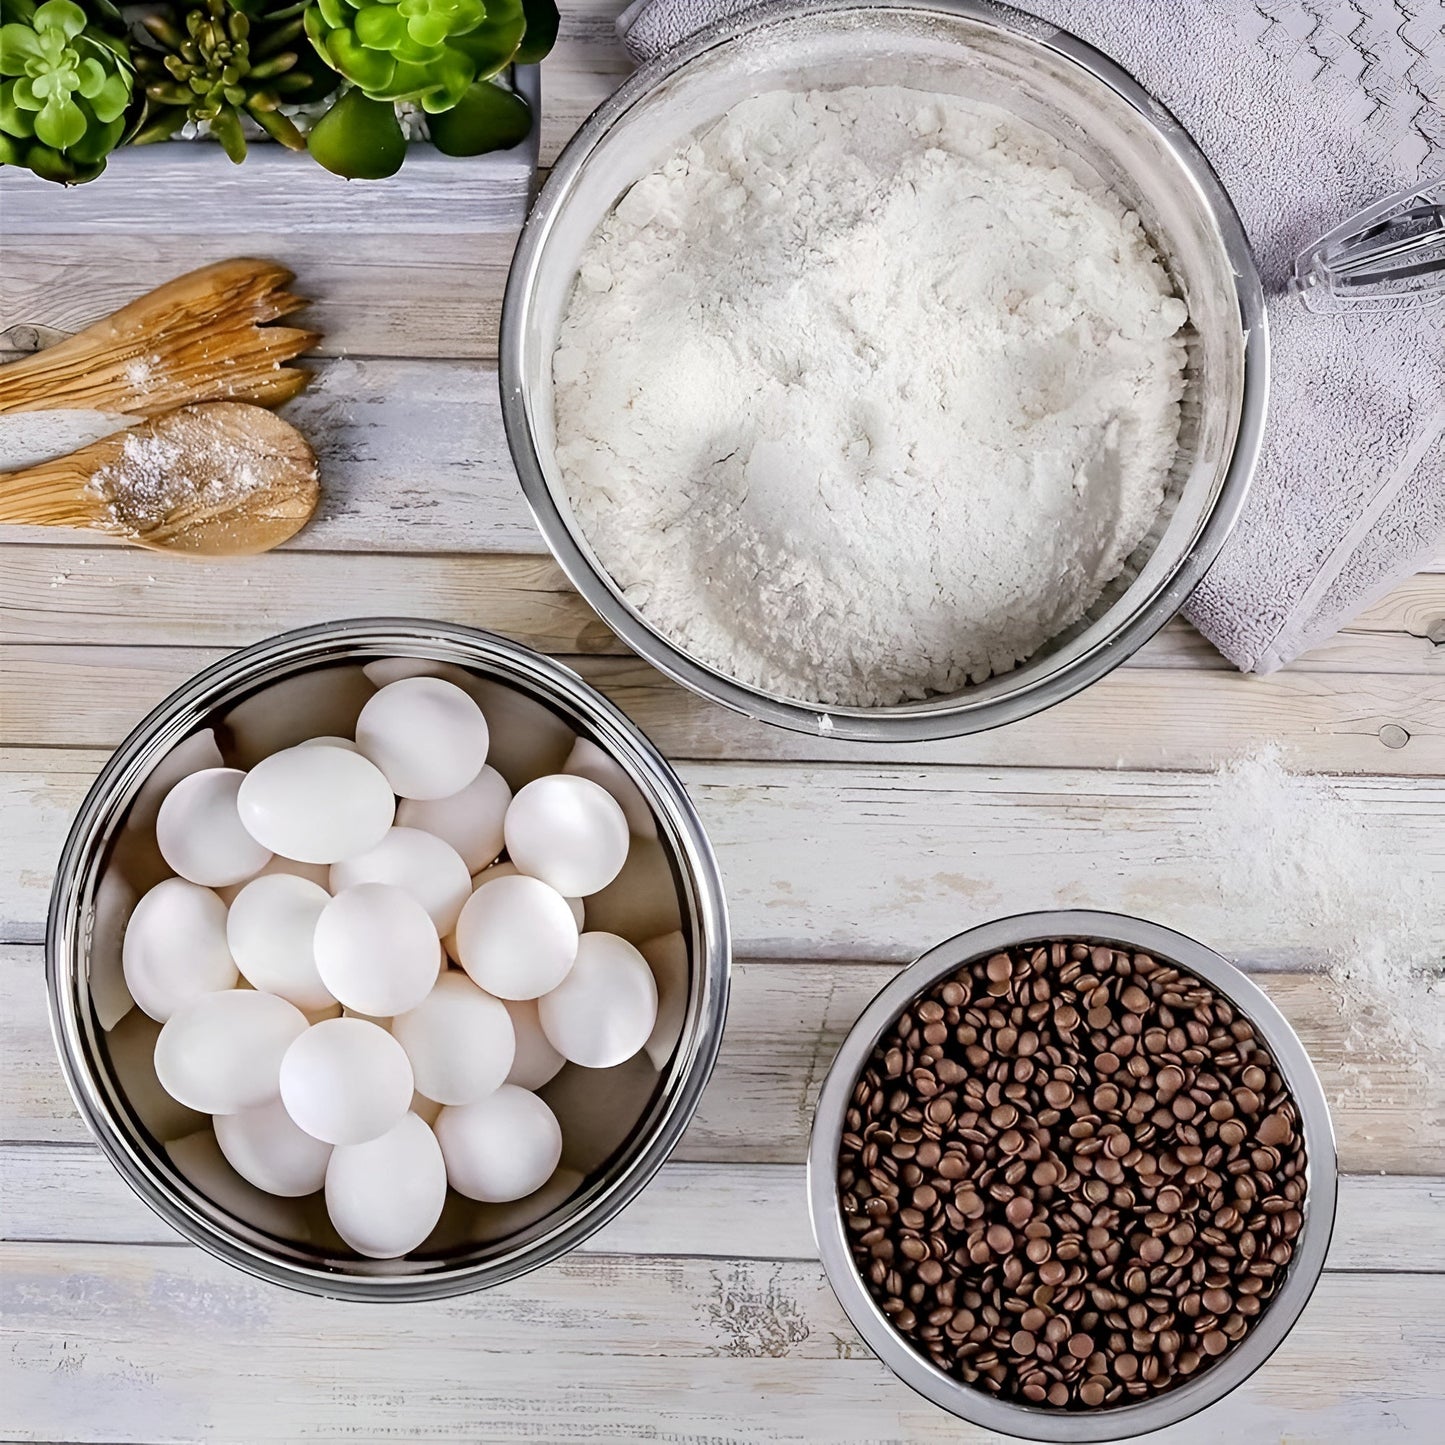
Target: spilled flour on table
<point x="1296" y="850"/>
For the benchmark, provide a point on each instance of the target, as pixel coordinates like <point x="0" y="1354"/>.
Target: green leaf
<point x="91" y="76"/>
<point x="429" y="30"/>
<point x="13" y="119"/>
<point x="449" y="83"/>
<point x="111" y="100"/>
<point x="25" y="96"/>
<point x="60" y="122"/>
<point x="492" y="45"/>
<point x="226" y="127"/>
<point x="61" y="17"/>
<point x="97" y="143"/>
<point x="19" y="47"/>
<point x="372" y="70"/>
<point x="333" y="12"/>
<point x="359" y="138"/>
<point x="380" y="27"/>
<point x="541" y="35"/>
<point x="487" y="118"/>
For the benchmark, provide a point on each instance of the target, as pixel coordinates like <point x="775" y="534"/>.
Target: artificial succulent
<point x="66" y="85"/>
<point x="429" y="52"/>
<point x="217" y="60"/>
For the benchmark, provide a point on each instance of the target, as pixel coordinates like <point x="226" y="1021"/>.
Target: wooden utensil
<point x="218" y="480"/>
<point x="201" y="337"/>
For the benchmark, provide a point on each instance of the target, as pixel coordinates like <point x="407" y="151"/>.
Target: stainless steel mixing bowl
<point x="618" y="1124"/>
<point x="1029" y="1421"/>
<point x="993" y="54"/>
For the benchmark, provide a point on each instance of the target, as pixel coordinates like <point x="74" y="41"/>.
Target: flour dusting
<point x="1294" y="851"/>
<point x="864" y="395"/>
<point x="158" y="479"/>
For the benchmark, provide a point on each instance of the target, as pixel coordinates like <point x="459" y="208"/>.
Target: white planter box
<point x="191" y="187"/>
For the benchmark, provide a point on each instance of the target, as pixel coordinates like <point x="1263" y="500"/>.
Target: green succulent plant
<point x="66" y="85"/>
<point x="429" y="52"/>
<point x="217" y="60"/>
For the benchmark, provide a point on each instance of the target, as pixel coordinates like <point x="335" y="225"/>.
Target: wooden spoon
<point x="201" y="337"/>
<point x="222" y="479"/>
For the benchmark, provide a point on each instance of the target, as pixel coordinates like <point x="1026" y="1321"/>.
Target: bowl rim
<point x="1030" y="1421"/>
<point x="905" y="722"/>
<point x="67" y="942"/>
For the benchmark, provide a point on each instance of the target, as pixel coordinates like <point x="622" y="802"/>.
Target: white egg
<point x="377" y="949"/>
<point x="330" y="742"/>
<point x="604" y="1010"/>
<point x="510" y="870"/>
<point x="587" y="760"/>
<point x="386" y="1195"/>
<point x="317" y="873"/>
<point x="199" y="832"/>
<point x="222" y="1052"/>
<point x="568" y="832"/>
<point x="516" y="937"/>
<point x="499" y="1148"/>
<point x="271" y="929"/>
<point x="426" y="735"/>
<point x="535" y="1062"/>
<point x="316" y="805"/>
<point x="175" y="948"/>
<point x="471" y="820"/>
<point x="266" y="1148"/>
<point x="459" y="1041"/>
<point x="420" y="863"/>
<point x="346" y="1081"/>
<point x="487" y="875"/>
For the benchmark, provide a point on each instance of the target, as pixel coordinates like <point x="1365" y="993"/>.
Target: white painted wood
<point x="882" y="862"/>
<point x="75" y="696"/>
<point x="121" y="1343"/>
<point x="786" y="1020"/>
<point x="191" y="185"/>
<point x="372" y="295"/>
<point x="699" y="1315"/>
<point x="53" y="593"/>
<point x="861" y="861"/>
<point x="149" y="188"/>
<point x="57" y="1194"/>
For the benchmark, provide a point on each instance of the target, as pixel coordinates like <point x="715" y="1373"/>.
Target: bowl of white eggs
<point x="387" y="959"/>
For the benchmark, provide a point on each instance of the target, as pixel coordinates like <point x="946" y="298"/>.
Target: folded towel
<point x="1309" y="110"/>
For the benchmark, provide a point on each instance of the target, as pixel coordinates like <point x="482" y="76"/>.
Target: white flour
<point x="863" y="394"/>
<point x="1292" y="852"/>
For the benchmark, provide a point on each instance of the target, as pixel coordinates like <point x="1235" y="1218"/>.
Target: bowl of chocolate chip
<point x="1072" y="1176"/>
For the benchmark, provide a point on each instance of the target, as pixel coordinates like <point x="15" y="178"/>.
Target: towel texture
<point x="1308" y="109"/>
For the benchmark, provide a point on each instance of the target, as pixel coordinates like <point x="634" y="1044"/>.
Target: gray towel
<point x="1309" y="110"/>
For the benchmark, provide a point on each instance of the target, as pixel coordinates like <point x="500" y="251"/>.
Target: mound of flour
<point x="864" y="395"/>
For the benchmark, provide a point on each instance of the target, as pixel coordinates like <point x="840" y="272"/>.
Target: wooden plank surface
<point x="701" y="1314"/>
<point x="723" y="1210"/>
<point x="67" y="695"/>
<point x="848" y="860"/>
<point x="786" y="1021"/>
<point x="176" y="1345"/>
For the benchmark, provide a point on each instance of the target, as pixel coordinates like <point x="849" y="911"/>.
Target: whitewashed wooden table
<point x="701" y="1314"/>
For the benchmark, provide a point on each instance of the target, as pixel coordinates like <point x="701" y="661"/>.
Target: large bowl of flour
<point x="884" y="371"/>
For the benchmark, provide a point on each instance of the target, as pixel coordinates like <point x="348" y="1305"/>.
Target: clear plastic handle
<point x="1387" y="257"/>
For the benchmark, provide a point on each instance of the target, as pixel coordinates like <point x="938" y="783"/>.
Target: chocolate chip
<point x="1072" y="1176"/>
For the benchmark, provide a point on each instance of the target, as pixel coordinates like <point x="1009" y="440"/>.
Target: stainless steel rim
<point x="172" y="1197"/>
<point x="862" y="724"/>
<point x="1027" y="1420"/>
